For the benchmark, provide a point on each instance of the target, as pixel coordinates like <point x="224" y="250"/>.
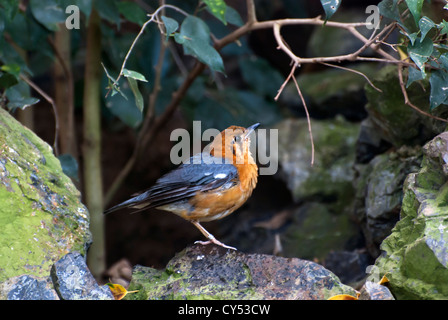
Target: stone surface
<point x="415" y="255"/>
<point x="379" y="193"/>
<point x="211" y="272"/>
<point x="27" y="287"/>
<point x="374" y="291"/>
<point x="41" y="214"/>
<point x="73" y="280"/>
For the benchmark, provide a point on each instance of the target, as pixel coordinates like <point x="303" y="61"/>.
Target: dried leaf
<point x="344" y="297"/>
<point x="118" y="291"/>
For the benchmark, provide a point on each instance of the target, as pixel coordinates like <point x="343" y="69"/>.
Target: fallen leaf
<point x="118" y="291"/>
<point x="345" y="297"/>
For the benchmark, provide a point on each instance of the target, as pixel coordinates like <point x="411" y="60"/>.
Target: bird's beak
<point x="250" y="129"/>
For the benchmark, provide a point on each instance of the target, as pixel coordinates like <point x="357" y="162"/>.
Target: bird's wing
<point x="200" y="174"/>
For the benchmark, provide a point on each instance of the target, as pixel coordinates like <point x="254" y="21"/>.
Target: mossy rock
<point x="212" y="272"/>
<point x="415" y="255"/>
<point x="41" y="214"/>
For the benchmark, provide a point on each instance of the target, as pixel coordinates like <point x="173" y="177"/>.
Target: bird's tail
<point x="135" y="202"/>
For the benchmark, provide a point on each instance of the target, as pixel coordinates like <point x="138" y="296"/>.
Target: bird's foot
<point x="217" y="242"/>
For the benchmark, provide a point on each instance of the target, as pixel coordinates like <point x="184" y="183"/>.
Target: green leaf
<point x="195" y="37"/>
<point x="330" y="7"/>
<point x="108" y="10"/>
<point x="218" y="8"/>
<point x="69" y="165"/>
<point x="12" y="68"/>
<point x="420" y="52"/>
<point x="7" y="80"/>
<point x="137" y="95"/>
<point x="19" y="96"/>
<point x="439" y="88"/>
<point x="233" y="17"/>
<point x="134" y="75"/>
<point x="443" y="59"/>
<point x="125" y="109"/>
<point x="425" y="24"/>
<point x="171" y="26"/>
<point x="48" y="12"/>
<point x="413" y="75"/>
<point x="443" y="26"/>
<point x="132" y="12"/>
<point x="415" y="6"/>
<point x="389" y="9"/>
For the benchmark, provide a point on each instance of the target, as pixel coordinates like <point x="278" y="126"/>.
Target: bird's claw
<point x="217" y="242"/>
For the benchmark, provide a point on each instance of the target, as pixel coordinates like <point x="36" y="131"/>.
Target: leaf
<point x="425" y="24"/>
<point x="439" y="88"/>
<point x="19" y="96"/>
<point x="413" y="75"/>
<point x="233" y="17"/>
<point x="132" y="12"/>
<point x="195" y="38"/>
<point x="137" y="95"/>
<point x="389" y="9"/>
<point x="330" y="7"/>
<point x="415" y="6"/>
<point x="443" y="26"/>
<point x="12" y="68"/>
<point x="108" y="10"/>
<point x="48" y="12"/>
<point x="344" y="297"/>
<point x="69" y="165"/>
<point x="218" y="8"/>
<point x="384" y="280"/>
<point x="134" y="75"/>
<point x="171" y="26"/>
<point x="420" y="52"/>
<point x="118" y="291"/>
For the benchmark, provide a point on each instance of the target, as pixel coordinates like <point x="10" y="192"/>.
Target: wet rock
<point x="374" y="291"/>
<point x="211" y="272"/>
<point x="41" y="214"/>
<point x="27" y="287"/>
<point x="415" y="255"/>
<point x="349" y="266"/>
<point x="73" y="280"/>
<point x="379" y="193"/>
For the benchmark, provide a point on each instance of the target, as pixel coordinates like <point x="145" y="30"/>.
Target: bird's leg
<point x="209" y="236"/>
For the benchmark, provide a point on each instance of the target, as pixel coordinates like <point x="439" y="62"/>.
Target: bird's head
<point x="233" y="144"/>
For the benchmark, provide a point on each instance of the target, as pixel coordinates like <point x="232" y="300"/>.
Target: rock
<point x="211" y="272"/>
<point x="41" y="214"/>
<point x="379" y="193"/>
<point x="28" y="287"/>
<point x="395" y="121"/>
<point x="415" y="255"/>
<point x="315" y="231"/>
<point x="73" y="280"/>
<point x="331" y="175"/>
<point x="349" y="266"/>
<point x="324" y="191"/>
<point x="374" y="291"/>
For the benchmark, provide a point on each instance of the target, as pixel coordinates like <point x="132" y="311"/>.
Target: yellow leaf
<point x="403" y="56"/>
<point x="118" y="291"/>
<point x="344" y="297"/>
<point x="383" y="280"/>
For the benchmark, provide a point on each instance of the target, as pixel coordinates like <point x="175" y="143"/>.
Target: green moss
<point x="41" y="215"/>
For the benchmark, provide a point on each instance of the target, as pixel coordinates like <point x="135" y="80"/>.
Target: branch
<point x="53" y="105"/>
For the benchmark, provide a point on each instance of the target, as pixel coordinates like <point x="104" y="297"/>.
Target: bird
<point x="208" y="186"/>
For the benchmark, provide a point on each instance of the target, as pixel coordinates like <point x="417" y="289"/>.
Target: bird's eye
<point x="237" y="139"/>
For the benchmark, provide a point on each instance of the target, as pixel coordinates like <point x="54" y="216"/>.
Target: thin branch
<point x="291" y="75"/>
<point x="354" y="71"/>
<point x="53" y="105"/>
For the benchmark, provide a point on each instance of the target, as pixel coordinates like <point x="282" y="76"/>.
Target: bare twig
<point x="53" y="105"/>
<point x="291" y="75"/>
